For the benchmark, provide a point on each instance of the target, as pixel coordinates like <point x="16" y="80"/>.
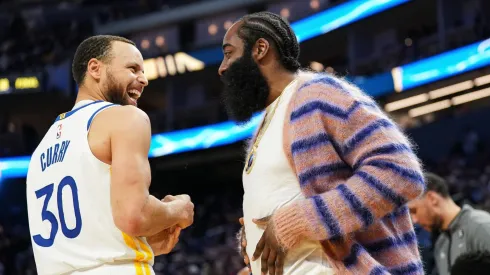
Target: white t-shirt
<point x="272" y="184"/>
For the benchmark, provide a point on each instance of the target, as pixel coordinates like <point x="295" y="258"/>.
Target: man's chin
<point x="132" y="101"/>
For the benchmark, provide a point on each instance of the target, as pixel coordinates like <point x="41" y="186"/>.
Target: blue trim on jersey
<point x="93" y="115"/>
<point x="65" y="115"/>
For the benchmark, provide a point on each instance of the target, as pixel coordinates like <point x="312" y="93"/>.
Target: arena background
<point x="427" y="63"/>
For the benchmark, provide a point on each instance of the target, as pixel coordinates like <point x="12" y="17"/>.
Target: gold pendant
<point x="250" y="160"/>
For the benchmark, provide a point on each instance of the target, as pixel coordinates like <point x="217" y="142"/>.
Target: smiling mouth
<point x="134" y="94"/>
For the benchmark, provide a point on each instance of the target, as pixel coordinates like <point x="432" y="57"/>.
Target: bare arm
<point x="135" y="211"/>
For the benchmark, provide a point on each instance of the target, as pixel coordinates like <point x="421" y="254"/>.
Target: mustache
<point x="223" y="78"/>
<point x="229" y="79"/>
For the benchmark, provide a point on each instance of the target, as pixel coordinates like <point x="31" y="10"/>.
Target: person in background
<point x="461" y="229"/>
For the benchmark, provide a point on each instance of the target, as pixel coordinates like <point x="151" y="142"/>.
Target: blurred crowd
<point x="34" y="35"/>
<point x="16" y="138"/>
<point x="421" y="42"/>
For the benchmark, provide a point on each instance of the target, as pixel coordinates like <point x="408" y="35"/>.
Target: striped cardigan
<point x="357" y="171"/>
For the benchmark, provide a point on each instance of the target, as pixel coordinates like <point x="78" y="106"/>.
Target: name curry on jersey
<point x="54" y="154"/>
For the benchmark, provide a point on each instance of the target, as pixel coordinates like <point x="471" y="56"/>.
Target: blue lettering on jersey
<point x="54" y="154"/>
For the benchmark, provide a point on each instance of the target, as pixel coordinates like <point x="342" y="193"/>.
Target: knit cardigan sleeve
<point x="333" y="129"/>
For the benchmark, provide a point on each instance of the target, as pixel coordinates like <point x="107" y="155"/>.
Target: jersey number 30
<point x="50" y="216"/>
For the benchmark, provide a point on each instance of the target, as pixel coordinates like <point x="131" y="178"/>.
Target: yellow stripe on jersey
<point x="140" y="260"/>
<point x="147" y="268"/>
<point x="139" y="269"/>
<point x="146" y="249"/>
<point x="148" y="253"/>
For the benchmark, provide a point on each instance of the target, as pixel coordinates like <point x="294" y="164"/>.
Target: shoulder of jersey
<point x="127" y="110"/>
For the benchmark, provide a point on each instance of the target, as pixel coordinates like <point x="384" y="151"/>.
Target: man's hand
<point x="165" y="241"/>
<point x="169" y="198"/>
<point x="184" y="208"/>
<point x="243" y="245"/>
<point x="272" y="252"/>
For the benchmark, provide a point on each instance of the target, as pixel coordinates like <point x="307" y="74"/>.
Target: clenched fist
<point x="183" y="207"/>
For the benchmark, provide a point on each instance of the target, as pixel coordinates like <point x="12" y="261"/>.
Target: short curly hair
<point x="277" y="31"/>
<point x="436" y="184"/>
<point x="99" y="47"/>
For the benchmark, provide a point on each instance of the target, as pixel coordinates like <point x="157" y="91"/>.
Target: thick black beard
<point x="245" y="89"/>
<point x="115" y="93"/>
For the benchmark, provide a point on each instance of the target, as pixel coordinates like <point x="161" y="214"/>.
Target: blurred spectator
<point x="460" y="229"/>
<point x="10" y="138"/>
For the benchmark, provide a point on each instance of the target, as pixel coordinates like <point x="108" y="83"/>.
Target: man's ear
<point x="261" y="48"/>
<point x="94" y="68"/>
<point x="433" y="198"/>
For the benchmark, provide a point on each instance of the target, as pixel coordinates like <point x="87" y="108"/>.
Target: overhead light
<point x="452" y="89"/>
<point x="406" y="102"/>
<point x="408" y="42"/>
<point x="285" y="13"/>
<point x="212" y="29"/>
<point x="227" y="24"/>
<point x="314" y="4"/>
<point x="145" y="44"/>
<point x="482" y="80"/>
<point x="160" y="41"/>
<point x="172" y="70"/>
<point x="396" y="73"/>
<point x="414" y="100"/>
<point x="445" y="91"/>
<point x="429" y="108"/>
<point x="160" y="65"/>
<point x="471" y="96"/>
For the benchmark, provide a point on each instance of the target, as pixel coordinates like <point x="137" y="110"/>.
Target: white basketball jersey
<point x="68" y="198"/>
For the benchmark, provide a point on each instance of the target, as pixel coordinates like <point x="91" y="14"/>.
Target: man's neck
<point x="451" y="211"/>
<point x="278" y="83"/>
<point x="85" y="94"/>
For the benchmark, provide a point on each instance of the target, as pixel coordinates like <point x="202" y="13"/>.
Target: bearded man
<point x="327" y="175"/>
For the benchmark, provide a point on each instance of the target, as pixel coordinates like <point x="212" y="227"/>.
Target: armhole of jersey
<point x="89" y="123"/>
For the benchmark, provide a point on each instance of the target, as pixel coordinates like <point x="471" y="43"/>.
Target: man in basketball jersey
<point x="327" y="175"/>
<point x="90" y="211"/>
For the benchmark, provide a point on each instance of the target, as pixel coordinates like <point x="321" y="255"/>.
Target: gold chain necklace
<point x="263" y="127"/>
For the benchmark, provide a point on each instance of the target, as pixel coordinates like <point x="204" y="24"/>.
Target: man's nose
<point x="222" y="69"/>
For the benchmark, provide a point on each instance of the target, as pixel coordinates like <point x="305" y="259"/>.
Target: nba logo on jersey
<point x="58" y="134"/>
